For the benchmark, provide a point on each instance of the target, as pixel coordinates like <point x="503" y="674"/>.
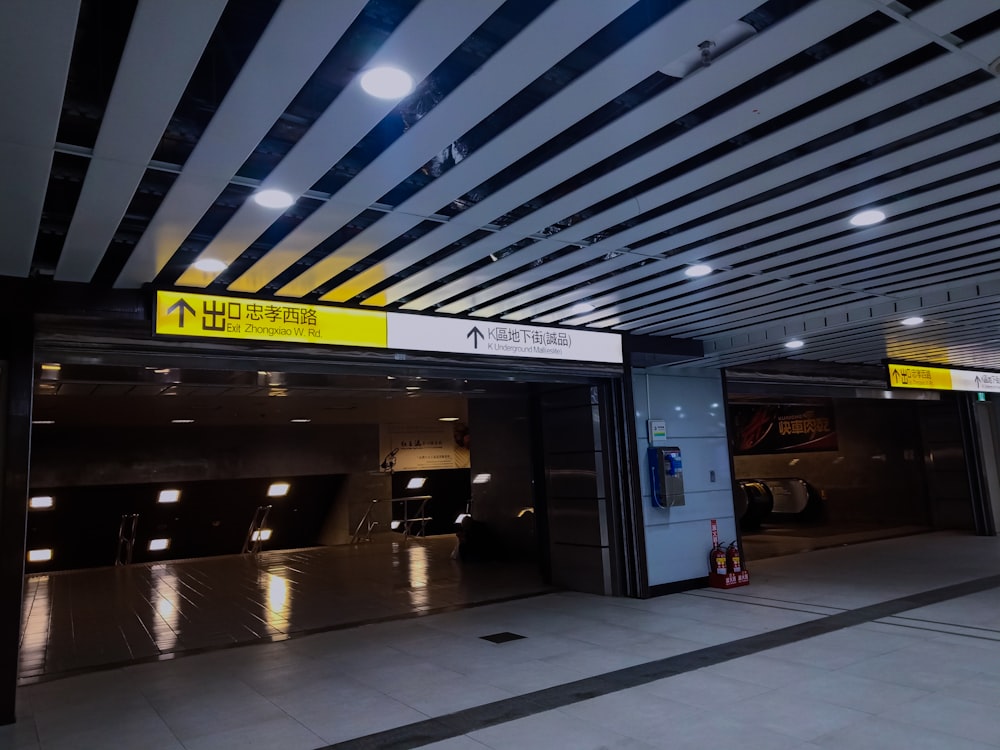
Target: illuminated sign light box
<point x="204" y="315"/>
<point x="501" y="339"/>
<point x="903" y="375"/>
<point x="190" y="314"/>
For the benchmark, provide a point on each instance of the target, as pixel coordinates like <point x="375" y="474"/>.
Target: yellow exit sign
<point x="200" y="315"/>
<point x="916" y="376"/>
<point x="942" y="379"/>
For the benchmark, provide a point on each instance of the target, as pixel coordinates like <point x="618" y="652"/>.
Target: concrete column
<point x="16" y="384"/>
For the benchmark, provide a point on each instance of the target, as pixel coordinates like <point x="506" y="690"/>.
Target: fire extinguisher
<point x="717" y="560"/>
<point x="733" y="562"/>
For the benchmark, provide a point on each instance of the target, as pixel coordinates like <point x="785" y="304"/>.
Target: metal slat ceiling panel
<point x="164" y="46"/>
<point x="618" y="72"/>
<point x="628" y="129"/>
<point x="36" y="39"/>
<point x="348" y="119"/>
<point x="687" y="146"/>
<point x="267" y="83"/>
<point x="553" y="153"/>
<point x="506" y="73"/>
<point x="677" y="102"/>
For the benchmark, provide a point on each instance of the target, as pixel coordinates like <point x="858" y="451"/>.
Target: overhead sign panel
<point x="190" y="314"/>
<point x="942" y="379"/>
<point x="180" y="313"/>
<point x="500" y="339"/>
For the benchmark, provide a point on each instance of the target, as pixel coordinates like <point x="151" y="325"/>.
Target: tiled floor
<point x="84" y="619"/>
<point x="889" y="644"/>
<point x="775" y="539"/>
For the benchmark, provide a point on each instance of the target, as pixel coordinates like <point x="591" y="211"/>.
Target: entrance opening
<point x="822" y="465"/>
<point x="177" y="509"/>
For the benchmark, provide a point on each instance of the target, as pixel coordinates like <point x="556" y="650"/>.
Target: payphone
<point x="666" y="476"/>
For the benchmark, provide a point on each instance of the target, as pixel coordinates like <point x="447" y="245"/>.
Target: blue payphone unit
<point x="666" y="476"/>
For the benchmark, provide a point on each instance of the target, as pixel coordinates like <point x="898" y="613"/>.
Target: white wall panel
<point x="678" y="539"/>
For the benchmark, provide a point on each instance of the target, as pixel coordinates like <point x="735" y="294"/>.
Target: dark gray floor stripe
<point x="472" y="719"/>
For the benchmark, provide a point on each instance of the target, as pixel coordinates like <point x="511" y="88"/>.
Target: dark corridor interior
<point x="175" y="509"/>
<point x="840" y="466"/>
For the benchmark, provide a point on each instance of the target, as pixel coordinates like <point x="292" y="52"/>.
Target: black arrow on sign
<point x="475" y="333"/>
<point x="180" y="306"/>
<point x="977" y="381"/>
<point x="895" y="376"/>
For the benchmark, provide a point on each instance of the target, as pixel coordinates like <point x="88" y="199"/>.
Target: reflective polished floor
<point x="80" y="620"/>
<point x="883" y="645"/>
<point x="772" y="540"/>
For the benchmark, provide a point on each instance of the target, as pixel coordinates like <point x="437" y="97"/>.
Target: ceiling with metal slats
<point x="557" y="162"/>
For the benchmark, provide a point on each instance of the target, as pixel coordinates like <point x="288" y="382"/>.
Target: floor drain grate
<point x="502" y="637"/>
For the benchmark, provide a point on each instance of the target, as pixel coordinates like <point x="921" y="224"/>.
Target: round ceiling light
<point x="582" y="308"/>
<point x="695" y="271"/>
<point x="912" y="321"/>
<point x="867" y="218"/>
<point x="386" y="82"/>
<point x="273" y="199"/>
<point x="210" y="265"/>
<point x="794" y="344"/>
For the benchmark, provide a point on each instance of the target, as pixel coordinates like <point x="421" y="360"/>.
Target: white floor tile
<point x="878" y="733"/>
<point x="953" y="716"/>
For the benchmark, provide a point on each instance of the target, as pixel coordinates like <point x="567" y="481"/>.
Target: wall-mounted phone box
<point x="666" y="475"/>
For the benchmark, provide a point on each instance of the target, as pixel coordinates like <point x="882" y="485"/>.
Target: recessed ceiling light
<point x="43" y="421"/>
<point x="168" y="496"/>
<point x="301" y="421"/>
<point x="695" y="271"/>
<point x="278" y="489"/>
<point x="912" y="321"/>
<point x="413" y="387"/>
<point x="273" y="198"/>
<point x="386" y="82"/>
<point x="447" y="419"/>
<point x="181" y="421"/>
<point x="794" y="344"/>
<point x="210" y="265"/>
<point x="867" y="218"/>
<point x="581" y="308"/>
<point x="51" y="366"/>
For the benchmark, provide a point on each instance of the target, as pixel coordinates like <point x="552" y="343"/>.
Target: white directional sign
<point x="501" y="339"/>
<point x="967" y="380"/>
